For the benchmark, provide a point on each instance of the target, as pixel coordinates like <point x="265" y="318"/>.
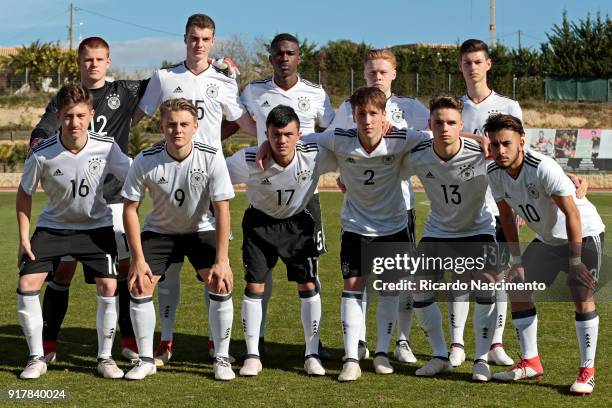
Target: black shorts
<point x="482" y="249"/>
<point x="265" y="239"/>
<point x="543" y="262"/>
<point x="96" y="249"/>
<point x="162" y="250"/>
<point x="411" y="228"/>
<point x="350" y="251"/>
<point x="314" y="208"/>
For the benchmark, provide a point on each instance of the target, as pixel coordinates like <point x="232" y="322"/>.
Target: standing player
<point x="379" y="70"/>
<point x="114" y="104"/>
<point x="213" y="94"/>
<point x="76" y="221"/>
<point x="480" y="102"/>
<point x="279" y="224"/>
<point x="453" y="173"/>
<point x="183" y="177"/>
<point x="373" y="211"/>
<point x="310" y="103"/>
<point x="570" y="235"/>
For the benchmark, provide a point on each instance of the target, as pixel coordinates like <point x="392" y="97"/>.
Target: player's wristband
<point x="516" y="260"/>
<point x="575" y="261"/>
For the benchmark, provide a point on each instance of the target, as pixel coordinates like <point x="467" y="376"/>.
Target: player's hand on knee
<point x="580" y="275"/>
<point x="140" y="277"/>
<point x="263" y="153"/>
<point x="220" y="278"/>
<point x="24" y="252"/>
<point x="340" y="184"/>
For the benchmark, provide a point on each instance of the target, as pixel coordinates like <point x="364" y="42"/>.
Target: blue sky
<point x="379" y="23"/>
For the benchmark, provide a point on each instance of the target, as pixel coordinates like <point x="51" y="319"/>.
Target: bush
<point x="12" y="155"/>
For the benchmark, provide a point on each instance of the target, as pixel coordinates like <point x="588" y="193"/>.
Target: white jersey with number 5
<point x="279" y="191"/>
<point x="212" y="93"/>
<point x="181" y="191"/>
<point x="456" y="189"/>
<point x="402" y="113"/>
<point x="373" y="203"/>
<point x="309" y="101"/>
<point x="530" y="193"/>
<point x="73" y="181"/>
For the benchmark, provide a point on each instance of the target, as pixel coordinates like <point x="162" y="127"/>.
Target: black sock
<point x="54" y="308"/>
<point x="125" y="323"/>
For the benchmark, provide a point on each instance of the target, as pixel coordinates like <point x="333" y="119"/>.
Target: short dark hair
<point x="92" y="42"/>
<point x="176" y="105"/>
<point x="283" y="37"/>
<point x="73" y="93"/>
<point x="473" y="45"/>
<point x="200" y="21"/>
<point x="281" y="116"/>
<point x="445" y="102"/>
<point x="368" y="95"/>
<point x="497" y="122"/>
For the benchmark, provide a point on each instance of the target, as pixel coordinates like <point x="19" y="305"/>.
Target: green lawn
<point x="188" y="380"/>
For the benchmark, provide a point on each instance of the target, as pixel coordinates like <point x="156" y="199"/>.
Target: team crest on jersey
<point x="533" y="191"/>
<point x="304" y="104"/>
<point x="346" y="268"/>
<point x="113" y="101"/>
<point x="303" y="177"/>
<point x="388" y="159"/>
<point x="212" y="91"/>
<point x="466" y="172"/>
<point x="397" y="116"/>
<point x="95" y="165"/>
<point x="196" y="178"/>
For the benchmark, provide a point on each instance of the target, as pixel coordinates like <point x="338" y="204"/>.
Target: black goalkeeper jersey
<point x="114" y="104"/>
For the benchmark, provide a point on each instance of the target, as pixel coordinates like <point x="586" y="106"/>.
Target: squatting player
<point x="379" y="70"/>
<point x="570" y="235"/>
<point x="453" y="172"/>
<point x="278" y="224"/>
<point x="214" y="94"/>
<point x="114" y="103"/>
<point x="312" y="106"/>
<point x="183" y="177"/>
<point x="76" y="221"/>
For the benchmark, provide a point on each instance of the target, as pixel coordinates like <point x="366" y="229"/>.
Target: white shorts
<point x="123" y="252"/>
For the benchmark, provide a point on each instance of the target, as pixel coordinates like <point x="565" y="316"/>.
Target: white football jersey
<point x="402" y="112"/>
<point x="181" y="191"/>
<point x="530" y="193"/>
<point x="373" y="203"/>
<point x="456" y="189"/>
<point x="73" y="182"/>
<point x="279" y="191"/>
<point x="212" y="93"/>
<point x="309" y="101"/>
<point x="475" y="116"/>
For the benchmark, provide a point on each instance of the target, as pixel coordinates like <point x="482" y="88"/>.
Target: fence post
<point x="58" y="77"/>
<point x="352" y="80"/>
<point x="449" y="83"/>
<point x="417" y="84"/>
<point x="319" y="76"/>
<point x="27" y="74"/>
<point x="514" y="87"/>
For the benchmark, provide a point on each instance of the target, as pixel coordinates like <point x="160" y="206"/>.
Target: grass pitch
<point x="188" y="380"/>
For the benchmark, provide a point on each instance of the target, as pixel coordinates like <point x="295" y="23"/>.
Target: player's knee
<point x="353" y="284"/>
<point x="254" y="287"/>
<point x="306" y="290"/>
<point x="219" y="288"/>
<point x="30" y="283"/>
<point x="106" y="286"/>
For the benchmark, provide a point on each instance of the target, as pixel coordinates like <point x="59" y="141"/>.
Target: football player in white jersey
<point x="570" y="235"/>
<point x="279" y="224"/>
<point x="184" y="178"/>
<point x="76" y="221"/>
<point x="379" y="70"/>
<point x="214" y="94"/>
<point x="452" y="170"/>
<point x="311" y="104"/>
<point x="373" y="211"/>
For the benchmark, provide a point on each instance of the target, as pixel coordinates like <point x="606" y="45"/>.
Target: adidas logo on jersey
<point x="58" y="172"/>
<point x="178" y="90"/>
<point x="162" y="180"/>
<point x="266" y="104"/>
<point x="266" y="182"/>
<point x="429" y="175"/>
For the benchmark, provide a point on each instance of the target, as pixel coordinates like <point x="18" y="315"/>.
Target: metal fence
<point x="23" y="83"/>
